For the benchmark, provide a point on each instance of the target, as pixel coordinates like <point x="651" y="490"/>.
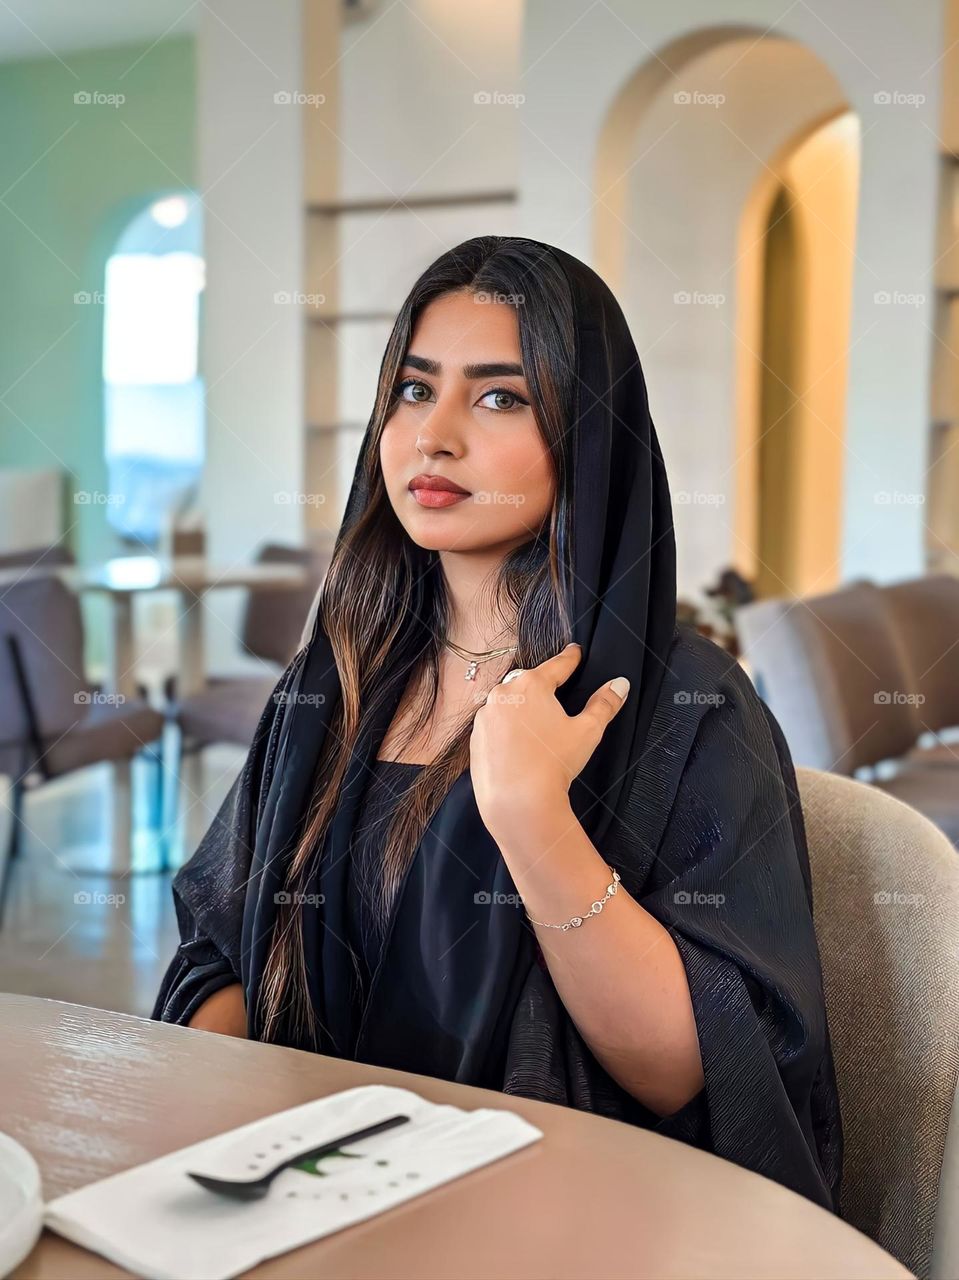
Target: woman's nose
<point x="430" y="446"/>
<point x="441" y="433"/>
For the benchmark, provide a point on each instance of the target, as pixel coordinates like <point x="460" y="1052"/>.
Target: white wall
<point x="251" y="179"/>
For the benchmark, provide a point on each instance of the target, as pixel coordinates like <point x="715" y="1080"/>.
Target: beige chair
<point x="886" y="908"/>
<point x="834" y="672"/>
<point x="925" y="614"/>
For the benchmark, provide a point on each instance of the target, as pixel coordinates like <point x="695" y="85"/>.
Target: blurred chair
<point x="7" y="822"/>
<point x="229" y="707"/>
<point x="886" y="908"/>
<point x="925" y="614"/>
<point x="49" y="557"/>
<point x="833" y="671"/>
<point x="54" y="721"/>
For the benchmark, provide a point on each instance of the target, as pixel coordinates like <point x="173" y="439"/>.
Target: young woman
<point x="503" y="821"/>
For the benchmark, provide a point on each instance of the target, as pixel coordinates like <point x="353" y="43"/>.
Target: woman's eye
<point x="503" y="393"/>
<point x="412" y="384"/>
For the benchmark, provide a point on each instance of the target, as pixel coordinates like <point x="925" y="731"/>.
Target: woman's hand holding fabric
<point x="525" y="750"/>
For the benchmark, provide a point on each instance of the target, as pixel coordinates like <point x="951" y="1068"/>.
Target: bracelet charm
<point x="576" y="921"/>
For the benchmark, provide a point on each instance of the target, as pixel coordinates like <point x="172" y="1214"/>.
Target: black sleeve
<point x="209" y="890"/>
<point x="731" y="883"/>
<point x="199" y="967"/>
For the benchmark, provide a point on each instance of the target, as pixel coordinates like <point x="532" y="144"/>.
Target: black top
<point x="387" y="782"/>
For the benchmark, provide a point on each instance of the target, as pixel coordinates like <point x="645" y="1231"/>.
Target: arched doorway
<point x="796" y="298"/>
<point x="726" y="177"/>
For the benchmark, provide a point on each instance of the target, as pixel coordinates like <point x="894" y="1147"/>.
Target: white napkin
<point x="159" y="1223"/>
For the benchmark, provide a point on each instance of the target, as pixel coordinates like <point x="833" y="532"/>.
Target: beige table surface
<point x="90" y="1093"/>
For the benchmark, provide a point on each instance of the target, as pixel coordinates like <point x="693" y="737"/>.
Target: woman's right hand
<point x="225" y="1011"/>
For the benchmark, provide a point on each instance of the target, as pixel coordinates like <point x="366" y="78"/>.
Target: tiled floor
<point x="91" y="938"/>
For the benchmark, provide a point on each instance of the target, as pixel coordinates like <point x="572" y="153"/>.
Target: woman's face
<point x="462" y="413"/>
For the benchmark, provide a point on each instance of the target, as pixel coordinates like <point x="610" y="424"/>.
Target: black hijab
<point x="691" y="795"/>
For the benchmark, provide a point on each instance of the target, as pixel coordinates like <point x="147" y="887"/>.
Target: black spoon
<point x="255" y="1190"/>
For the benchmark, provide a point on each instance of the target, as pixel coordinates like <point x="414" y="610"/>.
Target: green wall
<point x="71" y="176"/>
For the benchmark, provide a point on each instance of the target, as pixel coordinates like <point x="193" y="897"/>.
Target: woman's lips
<point x="438" y="497"/>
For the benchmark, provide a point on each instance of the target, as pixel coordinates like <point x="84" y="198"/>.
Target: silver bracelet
<point x="575" y="921"/>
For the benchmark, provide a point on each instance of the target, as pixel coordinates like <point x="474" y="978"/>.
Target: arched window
<point x="153" y="392"/>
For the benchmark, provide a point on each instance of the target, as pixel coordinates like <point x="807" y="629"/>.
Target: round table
<point x="90" y="1093"/>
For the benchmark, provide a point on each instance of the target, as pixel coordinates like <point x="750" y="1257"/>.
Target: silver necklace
<point x="474" y="659"/>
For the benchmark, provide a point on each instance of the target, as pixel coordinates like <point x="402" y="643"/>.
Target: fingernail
<point x="620" y="686"/>
<point x="572" y="645"/>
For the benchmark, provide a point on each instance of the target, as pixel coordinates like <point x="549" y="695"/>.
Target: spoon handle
<point x="346" y="1139"/>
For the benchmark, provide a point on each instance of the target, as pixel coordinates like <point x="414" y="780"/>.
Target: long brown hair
<point x="384" y="605"/>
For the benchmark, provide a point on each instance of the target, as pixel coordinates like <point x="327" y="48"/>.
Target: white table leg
<point x="192" y="675"/>
<point x="120" y="818"/>
<point x="122" y="679"/>
<point x="111" y="853"/>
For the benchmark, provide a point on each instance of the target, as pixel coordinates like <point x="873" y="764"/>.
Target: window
<point x="153" y="392"/>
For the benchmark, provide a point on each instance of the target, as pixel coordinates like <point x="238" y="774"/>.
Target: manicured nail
<point x="620" y="686"/>
<point x="572" y="645"/>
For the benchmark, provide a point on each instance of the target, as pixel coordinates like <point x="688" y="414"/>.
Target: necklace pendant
<point x="471" y="671"/>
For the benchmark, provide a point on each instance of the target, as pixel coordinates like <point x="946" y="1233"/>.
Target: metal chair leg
<point x="14" y="844"/>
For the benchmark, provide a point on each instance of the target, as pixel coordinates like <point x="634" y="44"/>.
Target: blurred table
<point x="90" y="1093"/>
<point x="192" y="577"/>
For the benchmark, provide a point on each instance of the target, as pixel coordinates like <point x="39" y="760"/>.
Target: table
<point x="192" y="577"/>
<point x="91" y="1093"/>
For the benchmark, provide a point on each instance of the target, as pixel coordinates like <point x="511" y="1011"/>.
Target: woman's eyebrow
<point x="470" y="371"/>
